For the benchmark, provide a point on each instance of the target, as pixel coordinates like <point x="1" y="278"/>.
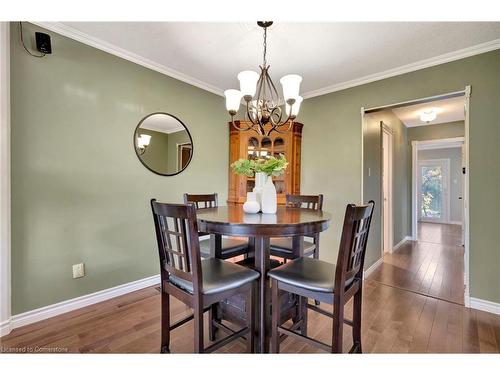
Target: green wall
<point x="332" y="124"/>
<point x="79" y="193"/>
<point x="438" y="131"/>
<point x="372" y="178"/>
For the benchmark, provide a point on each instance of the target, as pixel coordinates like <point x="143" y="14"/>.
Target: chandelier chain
<point x="265" y="47"/>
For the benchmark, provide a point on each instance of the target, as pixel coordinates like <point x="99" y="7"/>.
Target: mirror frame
<point x="139" y="157"/>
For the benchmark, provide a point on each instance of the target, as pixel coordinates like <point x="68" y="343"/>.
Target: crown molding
<point x="79" y="36"/>
<point x="422" y="64"/>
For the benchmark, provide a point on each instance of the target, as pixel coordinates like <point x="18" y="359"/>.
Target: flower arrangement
<point x="271" y="166"/>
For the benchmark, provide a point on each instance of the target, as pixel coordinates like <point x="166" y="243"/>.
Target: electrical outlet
<point x="78" y="270"/>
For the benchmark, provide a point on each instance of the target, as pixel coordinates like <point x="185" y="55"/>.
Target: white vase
<point x="260" y="181"/>
<point x="251" y="206"/>
<point x="269" y="203"/>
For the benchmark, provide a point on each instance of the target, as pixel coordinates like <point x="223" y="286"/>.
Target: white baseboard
<point x="483" y="305"/>
<point x="454" y="222"/>
<point x="50" y="311"/>
<point x="400" y="243"/>
<point x="372" y="268"/>
<point x="5" y="328"/>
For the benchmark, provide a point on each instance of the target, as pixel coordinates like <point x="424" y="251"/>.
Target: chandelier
<point x="263" y="103"/>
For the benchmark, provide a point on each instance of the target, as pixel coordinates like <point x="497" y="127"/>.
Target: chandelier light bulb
<point x="295" y="107"/>
<point x="233" y="99"/>
<point x="248" y="82"/>
<point x="291" y="86"/>
<point x="145" y="139"/>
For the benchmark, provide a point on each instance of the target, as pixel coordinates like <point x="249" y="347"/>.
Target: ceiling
<point x="162" y="123"/>
<point x="447" y="110"/>
<point x="329" y="56"/>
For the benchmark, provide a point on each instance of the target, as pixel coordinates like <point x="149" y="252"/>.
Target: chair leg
<point x="165" y="322"/>
<point x="198" y="328"/>
<point x="303" y="315"/>
<point x="275" y="306"/>
<point x="250" y="316"/>
<point x="316" y="256"/>
<point x="338" y="327"/>
<point x="356" y="320"/>
<point x="212" y="316"/>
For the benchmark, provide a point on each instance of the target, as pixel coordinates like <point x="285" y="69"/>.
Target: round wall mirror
<point x="163" y="144"/>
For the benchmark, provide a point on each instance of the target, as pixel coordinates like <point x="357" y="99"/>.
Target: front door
<point x="433" y="187"/>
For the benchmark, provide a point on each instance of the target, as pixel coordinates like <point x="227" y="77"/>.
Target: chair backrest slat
<point x="202" y="200"/>
<point x="313" y="202"/>
<point x="178" y="242"/>
<point x="352" y="250"/>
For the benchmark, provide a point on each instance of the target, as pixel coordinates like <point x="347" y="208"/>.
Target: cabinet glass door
<point x="279" y="149"/>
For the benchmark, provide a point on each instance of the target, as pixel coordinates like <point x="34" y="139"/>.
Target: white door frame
<point x="5" y="229"/>
<point x="445" y="217"/>
<point x="466" y="93"/>
<point x="384" y="128"/>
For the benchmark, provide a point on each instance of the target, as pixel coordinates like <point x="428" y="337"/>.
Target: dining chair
<point x="230" y="247"/>
<point x="198" y="283"/>
<point x="329" y="283"/>
<point x="283" y="247"/>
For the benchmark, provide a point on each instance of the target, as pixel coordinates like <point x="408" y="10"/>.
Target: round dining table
<point x="259" y="228"/>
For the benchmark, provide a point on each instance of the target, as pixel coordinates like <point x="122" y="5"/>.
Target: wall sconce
<point x="142" y="143"/>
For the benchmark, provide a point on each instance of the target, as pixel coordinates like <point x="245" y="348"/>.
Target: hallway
<point x="432" y="266"/>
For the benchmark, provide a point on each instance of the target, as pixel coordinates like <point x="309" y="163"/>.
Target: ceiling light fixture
<point x="428" y="115"/>
<point x="263" y="103"/>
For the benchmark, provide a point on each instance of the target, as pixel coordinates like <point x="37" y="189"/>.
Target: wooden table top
<point x="286" y="222"/>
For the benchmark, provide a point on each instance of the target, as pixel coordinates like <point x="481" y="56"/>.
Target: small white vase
<point x="251" y="206"/>
<point x="260" y="181"/>
<point x="269" y="203"/>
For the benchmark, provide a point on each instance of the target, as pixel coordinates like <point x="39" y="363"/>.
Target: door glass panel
<point x="431" y="192"/>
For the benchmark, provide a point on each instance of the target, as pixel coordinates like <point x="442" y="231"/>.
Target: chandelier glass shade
<point x="263" y="104"/>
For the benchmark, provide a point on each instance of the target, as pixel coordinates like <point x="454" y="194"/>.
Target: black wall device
<point x="43" y="43"/>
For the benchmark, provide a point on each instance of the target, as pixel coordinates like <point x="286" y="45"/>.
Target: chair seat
<point x="218" y="276"/>
<point x="285" y="246"/>
<point x="307" y="273"/>
<point x="231" y="247"/>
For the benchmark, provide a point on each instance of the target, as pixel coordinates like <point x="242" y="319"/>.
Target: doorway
<point x="429" y="253"/>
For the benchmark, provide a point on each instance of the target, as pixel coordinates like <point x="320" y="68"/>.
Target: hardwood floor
<point x="394" y="321"/>
<point x="433" y="265"/>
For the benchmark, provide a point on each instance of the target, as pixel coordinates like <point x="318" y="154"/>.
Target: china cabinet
<point x="249" y="144"/>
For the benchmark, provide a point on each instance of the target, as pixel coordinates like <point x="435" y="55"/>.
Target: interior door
<point x="433" y="194"/>
<point x="386" y="188"/>
<point x="462" y="195"/>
